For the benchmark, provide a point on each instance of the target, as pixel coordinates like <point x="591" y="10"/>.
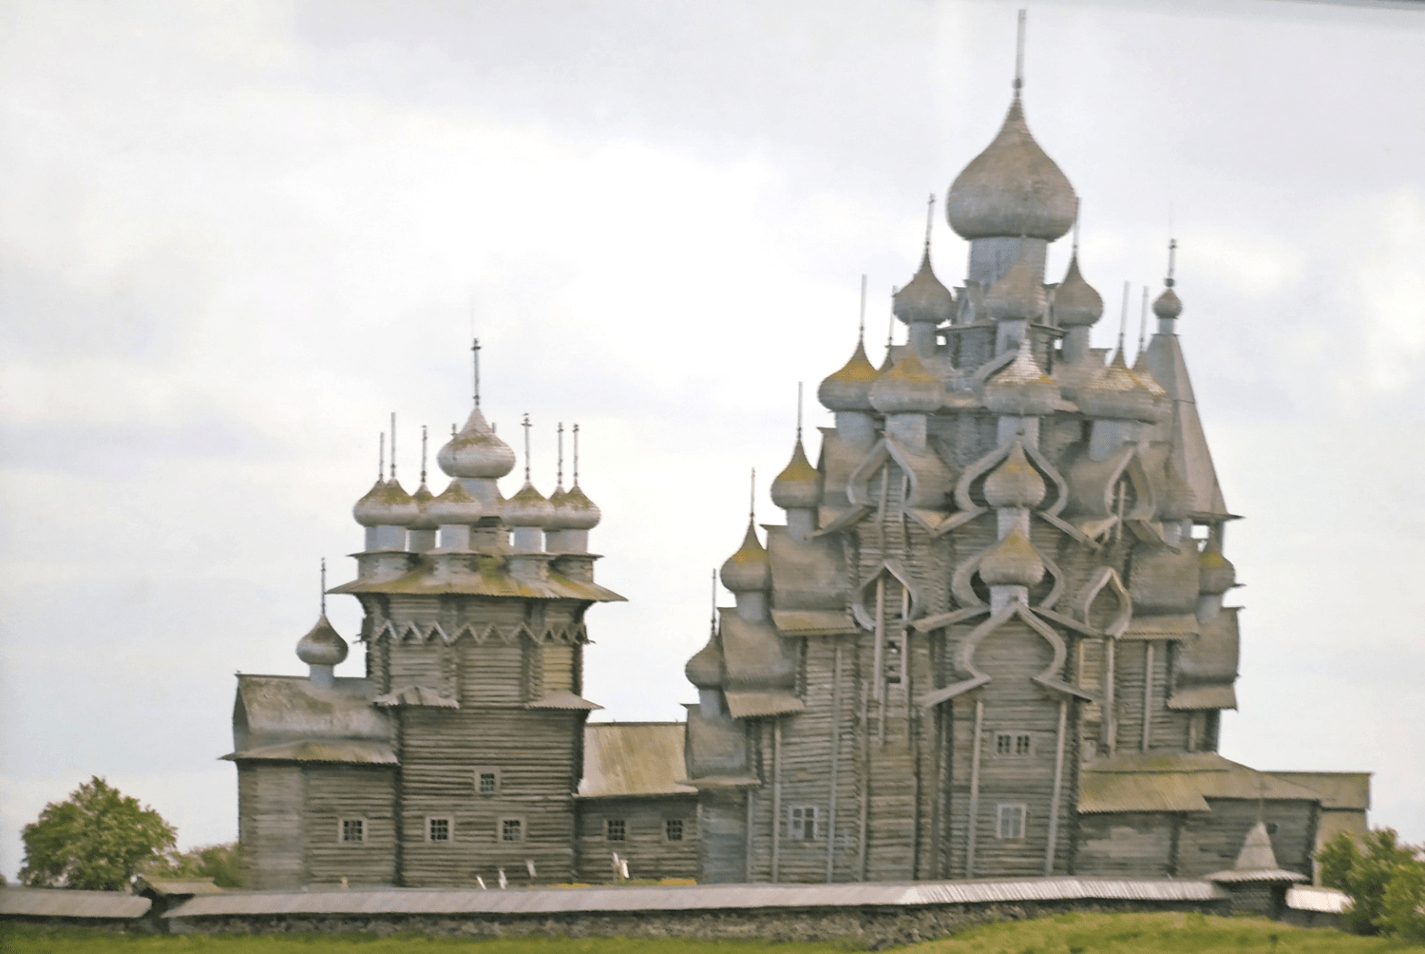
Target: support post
<point x="1058" y="789"/>
<point x="835" y="761"/>
<point x="974" y="807"/>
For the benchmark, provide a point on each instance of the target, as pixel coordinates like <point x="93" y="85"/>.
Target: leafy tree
<point x="219" y="862"/>
<point x="95" y="840"/>
<point x="1384" y="879"/>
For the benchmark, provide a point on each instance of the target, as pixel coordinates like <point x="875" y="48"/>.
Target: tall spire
<point x="324" y="586"/>
<point x="381" y="460"/>
<point x="799" y="412"/>
<point x="861" y="335"/>
<point x="1019" y="56"/>
<point x="1123" y="320"/>
<point x="929" y="220"/>
<point x="475" y="358"/>
<point x="1078" y="214"/>
<point x="752" y="498"/>
<point x="559" y="479"/>
<point x="891" y="324"/>
<point x="526" y="425"/>
<point x="1143" y="323"/>
<point x="576" y="455"/>
<point x="712" y="617"/>
<point x="393" y="446"/>
<point x="423" y="453"/>
<point x="1172" y="261"/>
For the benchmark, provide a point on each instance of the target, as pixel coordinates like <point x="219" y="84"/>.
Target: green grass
<point x="1168" y="933"/>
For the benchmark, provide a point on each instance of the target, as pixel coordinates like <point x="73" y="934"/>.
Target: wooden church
<point x="989" y="640"/>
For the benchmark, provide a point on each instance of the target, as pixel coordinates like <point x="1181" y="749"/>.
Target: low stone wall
<point x="874" y="927"/>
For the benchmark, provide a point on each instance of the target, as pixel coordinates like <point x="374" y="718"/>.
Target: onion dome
<point x="748" y="569"/>
<point x="1012" y="562"/>
<point x="386" y="504"/>
<point x="1168" y="305"/>
<point x="1015" y="482"/>
<point x="798" y="486"/>
<point x="1216" y="572"/>
<point x="528" y="508"/>
<point x="1076" y="303"/>
<point x="455" y="506"/>
<point x="423" y="499"/>
<point x="850" y="388"/>
<point x="475" y="451"/>
<point x="705" y="669"/>
<point x="1118" y="394"/>
<point x="1021" y="388"/>
<point x="1011" y="189"/>
<point x="924" y="298"/>
<point x="1018" y="294"/>
<point x="322" y="646"/>
<point x="1178" y="499"/>
<point x="577" y="512"/>
<point x="560" y="518"/>
<point x="907" y="388"/>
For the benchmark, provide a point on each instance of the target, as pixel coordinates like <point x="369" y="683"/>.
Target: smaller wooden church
<point x="463" y="757"/>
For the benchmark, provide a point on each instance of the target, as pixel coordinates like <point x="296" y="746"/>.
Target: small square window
<point x="1013" y="743"/>
<point x="673" y="827"/>
<point x="487" y="782"/>
<point x="1021" y="744"/>
<point x="511" y="829"/>
<point x="1010" y="822"/>
<point x="615" y="829"/>
<point x="438" y="829"/>
<point x="801" y="822"/>
<point x="1004" y="743"/>
<point x="353" y="830"/>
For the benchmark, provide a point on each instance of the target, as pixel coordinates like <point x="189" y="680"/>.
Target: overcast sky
<point x="234" y="237"/>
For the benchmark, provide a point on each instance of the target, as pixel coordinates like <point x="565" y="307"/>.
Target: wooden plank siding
<point x="336" y="792"/>
<point x="1128" y="845"/>
<point x="645" y="845"/>
<point x="270" y="805"/>
<point x="1211" y="841"/>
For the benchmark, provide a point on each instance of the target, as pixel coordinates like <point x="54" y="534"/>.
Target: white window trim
<point x="608" y="824"/>
<point x="487" y="770"/>
<point x="1014" y="735"/>
<point x="449" y="830"/>
<point x="794" y="832"/>
<point x="1023" y="810"/>
<point x="500" y="830"/>
<point x="341" y="838"/>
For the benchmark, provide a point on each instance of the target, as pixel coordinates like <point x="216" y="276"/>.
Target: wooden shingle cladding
<point x="645" y="843"/>
<point x="334" y="793"/>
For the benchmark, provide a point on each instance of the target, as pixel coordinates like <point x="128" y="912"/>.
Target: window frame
<point x="1007" y="810"/>
<point x="668" y="826"/>
<point x="449" y="838"/>
<point x="522" y="828"/>
<point x="486" y="770"/>
<point x="797" y="827"/>
<point x="622" y="827"/>
<point x="341" y="824"/>
<point x="1013" y="744"/>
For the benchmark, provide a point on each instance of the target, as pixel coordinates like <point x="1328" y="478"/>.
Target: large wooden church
<point x="988" y="641"/>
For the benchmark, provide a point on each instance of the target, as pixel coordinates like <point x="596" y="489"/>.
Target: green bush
<point x="1384" y="879"/>
<point x="95" y="840"/>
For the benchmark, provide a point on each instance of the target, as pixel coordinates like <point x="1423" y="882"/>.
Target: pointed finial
<point x="712" y="618"/>
<point x="526" y="425"/>
<point x="324" y="586"/>
<point x="1172" y="261"/>
<point x="423" y="453"/>
<point x="752" y="498"/>
<point x="452" y="429"/>
<point x="393" y="445"/>
<point x="1143" y="321"/>
<point x="891" y="322"/>
<point x="929" y="219"/>
<point x="381" y="460"/>
<point x="862" y="332"/>
<point x="576" y="455"/>
<point x="799" y="412"/>
<point x="475" y="355"/>
<point x="1123" y="318"/>
<point x="1078" y="213"/>
<point x="559" y="480"/>
<point x="1019" y="56"/>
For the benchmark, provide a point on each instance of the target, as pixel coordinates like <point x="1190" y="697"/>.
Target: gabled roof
<point x="271" y="710"/>
<point x="1179" y="782"/>
<point x="633" y="758"/>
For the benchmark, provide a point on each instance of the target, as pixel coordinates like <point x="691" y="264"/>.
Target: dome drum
<point x="992" y="258"/>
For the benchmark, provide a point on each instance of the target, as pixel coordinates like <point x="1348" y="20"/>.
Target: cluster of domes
<point x="1018" y="294"/>
<point x="455" y="506"/>
<point x="1021" y="388"/>
<point x="1012" y="189"/>
<point x="1119" y="394"/>
<point x="907" y="388"/>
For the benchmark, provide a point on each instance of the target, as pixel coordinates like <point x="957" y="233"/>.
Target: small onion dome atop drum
<point x="850" y="388"/>
<point x="386" y="504"/>
<point x="556" y="501"/>
<point x="748" y="570"/>
<point x="322" y="646"/>
<point x="705" y="669"/>
<point x="1218" y="575"/>
<point x="1011" y="189"/>
<point x="1118" y="395"/>
<point x="1178" y="499"/>
<point x="924" y="298"/>
<point x="1076" y="303"/>
<point x="528" y="508"/>
<point x="1012" y="562"/>
<point x="798" y="486"/>
<point x="1018" y="294"/>
<point x="423" y="498"/>
<point x="1015" y="482"/>
<point x="577" y="512"/>
<point x="476" y="452"/>
<point x="455" y="507"/>
<point x="1021" y="388"/>
<point x="1168" y="305"/>
<point x="907" y="388"/>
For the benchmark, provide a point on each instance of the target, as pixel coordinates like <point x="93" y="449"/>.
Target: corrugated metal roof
<point x="1324" y="900"/>
<point x="1255" y="875"/>
<point x="633" y="758"/>
<point x="1176" y="783"/>
<point x="352" y="751"/>
<point x="688" y="897"/>
<point x="63" y="903"/>
<point x="172" y="886"/>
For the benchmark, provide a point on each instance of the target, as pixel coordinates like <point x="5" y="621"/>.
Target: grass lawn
<point x="1067" y="934"/>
